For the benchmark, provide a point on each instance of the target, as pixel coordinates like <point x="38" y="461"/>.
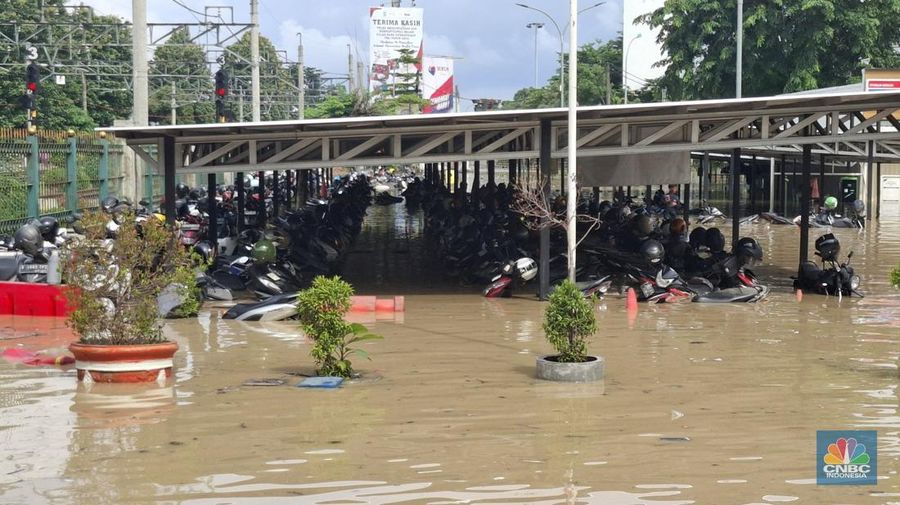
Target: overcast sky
<point x="490" y="37"/>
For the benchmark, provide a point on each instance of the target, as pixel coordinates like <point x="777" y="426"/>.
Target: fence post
<point x="34" y="182"/>
<point x="104" y="170"/>
<point x="72" y="176"/>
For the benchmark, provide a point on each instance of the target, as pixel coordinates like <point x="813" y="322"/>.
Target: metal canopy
<point x="837" y="125"/>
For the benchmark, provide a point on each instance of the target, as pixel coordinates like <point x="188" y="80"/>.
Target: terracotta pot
<point x="123" y="363"/>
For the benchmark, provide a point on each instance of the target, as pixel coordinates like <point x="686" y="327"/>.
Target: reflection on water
<point x="701" y="404"/>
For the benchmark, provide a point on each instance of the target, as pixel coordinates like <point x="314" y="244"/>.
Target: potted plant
<point x="895" y="277"/>
<point x="568" y="322"/>
<point x="113" y="288"/>
<point x="322" y="309"/>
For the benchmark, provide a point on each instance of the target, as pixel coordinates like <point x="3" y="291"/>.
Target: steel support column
<point x="276" y="196"/>
<point x="870" y="176"/>
<point x="782" y="186"/>
<point x="735" y="196"/>
<point x="686" y="204"/>
<point x="822" y="179"/>
<point x="804" y="204"/>
<point x="491" y="172"/>
<point x="465" y="176"/>
<point x="168" y="162"/>
<point x="213" y="211"/>
<point x="240" y="201"/>
<point x="544" y="268"/>
<point x="261" y="205"/>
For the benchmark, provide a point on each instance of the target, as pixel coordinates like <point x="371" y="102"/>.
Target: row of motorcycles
<point x="483" y="239"/>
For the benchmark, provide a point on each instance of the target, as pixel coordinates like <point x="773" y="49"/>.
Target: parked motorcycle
<point x="832" y="278"/>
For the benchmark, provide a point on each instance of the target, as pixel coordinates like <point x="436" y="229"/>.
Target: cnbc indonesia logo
<point x="846" y="457"/>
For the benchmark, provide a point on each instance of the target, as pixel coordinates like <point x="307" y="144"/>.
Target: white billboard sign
<point x="392" y="29"/>
<point x="437" y="84"/>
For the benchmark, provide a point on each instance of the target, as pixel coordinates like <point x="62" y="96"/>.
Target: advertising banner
<point x="881" y="80"/>
<point x="390" y="30"/>
<point x="437" y="84"/>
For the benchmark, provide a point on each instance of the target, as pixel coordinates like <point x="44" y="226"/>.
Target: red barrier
<point x="27" y="299"/>
<point x="374" y="304"/>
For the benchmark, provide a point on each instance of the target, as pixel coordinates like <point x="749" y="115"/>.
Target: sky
<point x="490" y="38"/>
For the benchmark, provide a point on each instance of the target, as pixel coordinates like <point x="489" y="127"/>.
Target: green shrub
<point x="569" y="321"/>
<point x="895" y="276"/>
<point x="115" y="286"/>
<point x="322" y="309"/>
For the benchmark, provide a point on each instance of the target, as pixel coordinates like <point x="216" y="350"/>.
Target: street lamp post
<point x="625" y="67"/>
<point x="572" y="127"/>
<point x="536" y="26"/>
<point x="740" y="48"/>
<point x="562" y="95"/>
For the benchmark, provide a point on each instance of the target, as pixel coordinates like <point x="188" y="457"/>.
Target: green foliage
<point x="180" y="56"/>
<point x="895" y="277"/>
<point x="338" y="105"/>
<point x="569" y="321"/>
<point x="789" y="45"/>
<point x="593" y="61"/>
<point x="322" y="309"/>
<point x="108" y="98"/>
<point x="274" y="79"/>
<point x="115" y="286"/>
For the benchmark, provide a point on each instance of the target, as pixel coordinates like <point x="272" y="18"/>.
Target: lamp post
<point x="536" y="26"/>
<point x="740" y="48"/>
<point x="572" y="127"/>
<point x="562" y="95"/>
<point x="625" y="67"/>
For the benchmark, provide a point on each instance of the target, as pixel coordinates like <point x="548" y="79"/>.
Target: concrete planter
<point x="123" y="363"/>
<point x="550" y="369"/>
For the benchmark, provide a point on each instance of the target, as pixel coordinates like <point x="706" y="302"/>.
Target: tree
<point x="193" y="94"/>
<point x="789" y="45"/>
<point x="594" y="59"/>
<point x="277" y="90"/>
<point x="77" y="39"/>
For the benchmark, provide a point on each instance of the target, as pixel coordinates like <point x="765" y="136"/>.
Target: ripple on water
<point x="774" y="498"/>
<point x="325" y="451"/>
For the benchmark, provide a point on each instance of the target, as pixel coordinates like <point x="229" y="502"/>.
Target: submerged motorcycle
<point x="832" y="278"/>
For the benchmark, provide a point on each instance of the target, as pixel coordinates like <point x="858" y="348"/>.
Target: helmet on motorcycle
<point x="264" y="251"/>
<point x="715" y="240"/>
<point x="831" y="203"/>
<point x="828" y="247"/>
<point x="748" y="252"/>
<point x="109" y="204"/>
<point x="205" y="251"/>
<point x="677" y="227"/>
<point x="28" y="239"/>
<point x="697" y="238"/>
<point x="181" y="190"/>
<point x="526" y="268"/>
<point x="49" y="228"/>
<point x="653" y="251"/>
<point x="859" y="207"/>
<point x="643" y="225"/>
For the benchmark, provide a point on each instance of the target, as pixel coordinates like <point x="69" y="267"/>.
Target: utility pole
<point x="83" y="92"/>
<point x="240" y="105"/>
<point x="301" y="103"/>
<point x="174" y="105"/>
<point x="141" y="85"/>
<point x="361" y="77"/>
<point x="351" y="86"/>
<point x="608" y="87"/>
<point x="254" y="59"/>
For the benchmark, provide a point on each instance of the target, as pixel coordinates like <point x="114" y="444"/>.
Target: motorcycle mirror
<point x="850" y="255"/>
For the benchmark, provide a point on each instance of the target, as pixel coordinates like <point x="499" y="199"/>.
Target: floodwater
<point x="701" y="404"/>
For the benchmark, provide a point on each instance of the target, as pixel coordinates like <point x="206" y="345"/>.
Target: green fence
<point x="54" y="174"/>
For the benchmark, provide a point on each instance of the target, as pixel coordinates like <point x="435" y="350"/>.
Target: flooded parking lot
<point x="701" y="404"/>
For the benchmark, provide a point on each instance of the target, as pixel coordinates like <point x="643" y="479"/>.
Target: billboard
<point x="437" y="84"/>
<point x="390" y="30"/>
<point x="876" y="80"/>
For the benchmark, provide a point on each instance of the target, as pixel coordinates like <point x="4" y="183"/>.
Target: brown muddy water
<point x="701" y="404"/>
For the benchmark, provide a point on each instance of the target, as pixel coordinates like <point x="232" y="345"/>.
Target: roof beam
<point x="662" y="132"/>
<point x="218" y="153"/>
<point x="293" y="149"/>
<point x="493" y="146"/>
<point x="428" y="144"/>
<point x="365" y="146"/>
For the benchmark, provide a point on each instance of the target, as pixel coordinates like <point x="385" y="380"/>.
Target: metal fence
<point x="55" y="174"/>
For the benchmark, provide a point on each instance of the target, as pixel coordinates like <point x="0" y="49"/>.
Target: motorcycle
<point x="832" y="278"/>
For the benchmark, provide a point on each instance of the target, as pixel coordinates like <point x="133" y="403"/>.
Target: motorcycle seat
<point x="9" y="265"/>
